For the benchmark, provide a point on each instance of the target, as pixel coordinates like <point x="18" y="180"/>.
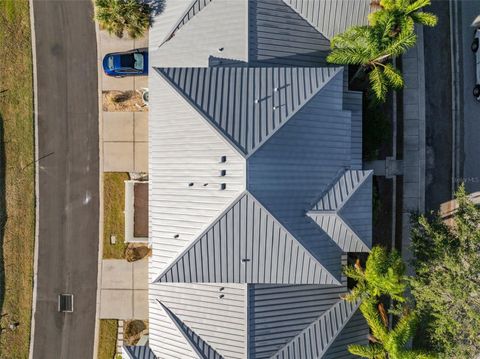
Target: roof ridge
<point x="186" y="17"/>
<point x="330" y="317"/>
<point x="195" y="107"/>
<point x="192" y="243"/>
<point x="184" y="329"/>
<point x="330" y="192"/>
<point x="336" y="72"/>
<point x="330" y="277"/>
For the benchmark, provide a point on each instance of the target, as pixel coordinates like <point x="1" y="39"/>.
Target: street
<point x="470" y="108"/>
<point x="68" y="178"/>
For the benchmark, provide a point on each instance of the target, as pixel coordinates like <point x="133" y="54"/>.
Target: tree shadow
<point x="156" y="6"/>
<point x="3" y="211"/>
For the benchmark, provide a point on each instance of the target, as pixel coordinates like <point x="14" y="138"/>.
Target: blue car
<point x="131" y="63"/>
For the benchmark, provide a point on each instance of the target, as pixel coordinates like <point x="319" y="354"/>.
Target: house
<point x="257" y="191"/>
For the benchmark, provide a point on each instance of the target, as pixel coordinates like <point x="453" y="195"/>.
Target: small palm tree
<point x="385" y="342"/>
<point x="120" y="16"/>
<point x="372" y="47"/>
<point x="405" y="13"/>
<point x="384" y="274"/>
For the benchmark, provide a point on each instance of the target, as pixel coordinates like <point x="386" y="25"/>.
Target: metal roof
<point x="256" y="187"/>
<point x="248" y="105"/>
<point x="137" y="352"/>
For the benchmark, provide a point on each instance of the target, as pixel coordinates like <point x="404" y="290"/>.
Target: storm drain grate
<point x="65" y="303"/>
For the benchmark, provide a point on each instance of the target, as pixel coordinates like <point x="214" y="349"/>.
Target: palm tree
<point x="383" y="277"/>
<point x="120" y="16"/>
<point x="405" y="13"/>
<point x="385" y="342"/>
<point x="384" y="274"/>
<point x="372" y="47"/>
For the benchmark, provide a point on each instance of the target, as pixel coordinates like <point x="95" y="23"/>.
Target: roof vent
<point x="245" y="260"/>
<point x="222" y="289"/>
<point x="223" y="186"/>
<point x="221" y="296"/>
<point x="256" y="100"/>
<point x="275" y="107"/>
<point x="220" y="49"/>
<point x="176" y="236"/>
<point x="223" y="159"/>
<point x="190" y="184"/>
<point x="223" y="173"/>
<point x="205" y="184"/>
<point x="275" y="89"/>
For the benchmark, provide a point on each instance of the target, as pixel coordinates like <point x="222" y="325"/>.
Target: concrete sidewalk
<point x="124" y="289"/>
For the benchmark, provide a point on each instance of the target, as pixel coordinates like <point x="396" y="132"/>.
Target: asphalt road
<point x="438" y="108"/>
<point x="470" y="108"/>
<point x="68" y="177"/>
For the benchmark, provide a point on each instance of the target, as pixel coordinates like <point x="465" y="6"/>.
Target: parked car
<point x="130" y="63"/>
<point x="475" y="49"/>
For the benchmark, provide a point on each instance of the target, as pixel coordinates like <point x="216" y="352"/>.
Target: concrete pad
<point x="116" y="304"/>
<point x="141" y="82"/>
<point x="118" y="126"/>
<point x="111" y="43"/>
<point x="142" y="42"/>
<point x="126" y="83"/>
<point x="141" y="157"/>
<point x="141" y="126"/>
<point x="140" y="274"/>
<point x="140" y="304"/>
<point x="118" y="157"/>
<point x="117" y="274"/>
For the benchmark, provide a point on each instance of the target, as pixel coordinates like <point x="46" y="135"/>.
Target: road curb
<point x="100" y="196"/>
<point x="37" y="192"/>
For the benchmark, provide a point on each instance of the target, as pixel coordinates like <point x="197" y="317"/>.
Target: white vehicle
<point x="475" y="49"/>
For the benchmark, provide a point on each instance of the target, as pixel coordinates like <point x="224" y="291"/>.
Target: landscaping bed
<point x="113" y="214"/>
<point x="17" y="202"/>
<point x="107" y="344"/>
<point x="129" y="101"/>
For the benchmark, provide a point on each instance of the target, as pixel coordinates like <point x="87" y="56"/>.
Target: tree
<point x="120" y="16"/>
<point x="384" y="279"/>
<point x="405" y="13"/>
<point x="372" y="47"/>
<point x="447" y="282"/>
<point x="390" y="33"/>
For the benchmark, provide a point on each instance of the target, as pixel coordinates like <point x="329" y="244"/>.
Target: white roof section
<point x="217" y="30"/>
<point x="216" y="313"/>
<point x="185" y="190"/>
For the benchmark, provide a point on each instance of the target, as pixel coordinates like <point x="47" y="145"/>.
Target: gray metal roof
<point x="137" y="352"/>
<point x="314" y="340"/>
<point x="256" y="187"/>
<point x="343" y="212"/>
<point x="260" y="32"/>
<point x="203" y="350"/>
<point x="247" y="245"/>
<point x="248" y="104"/>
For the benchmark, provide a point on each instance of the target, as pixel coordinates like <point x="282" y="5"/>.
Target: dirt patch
<point x="134" y="330"/>
<point x="136" y="251"/>
<point x="127" y="101"/>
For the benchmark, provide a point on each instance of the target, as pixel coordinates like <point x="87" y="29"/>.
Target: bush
<point x="134" y="253"/>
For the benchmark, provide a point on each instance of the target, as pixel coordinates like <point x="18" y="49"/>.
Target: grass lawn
<point x="17" y="199"/>
<point x="108" y="339"/>
<point x="114" y="220"/>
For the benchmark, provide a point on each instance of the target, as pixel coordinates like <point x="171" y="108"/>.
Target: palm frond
<point x="394" y="76"/>
<point x="372" y="351"/>
<point x="424" y="18"/>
